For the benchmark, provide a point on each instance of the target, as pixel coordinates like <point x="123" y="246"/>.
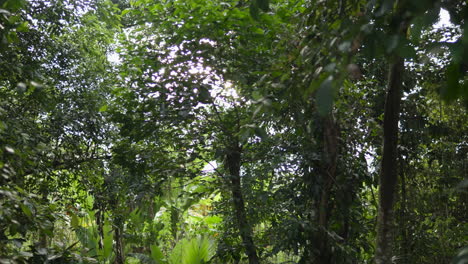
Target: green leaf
<point x="103" y="108"/>
<point x="41" y="251"/>
<point x="315" y="84"/>
<point x="9" y="150"/>
<point x="4" y="12"/>
<point x="177" y="253"/>
<point x="345" y="46"/>
<point x="108" y="240"/>
<point x="261" y="133"/>
<point x="21" y="87"/>
<point x="23" y="27"/>
<point x="325" y="96"/>
<point x="26" y="254"/>
<point x="125" y="11"/>
<point x="156" y="254"/>
<point x="452" y="89"/>
<point x="74" y="221"/>
<point x="211" y="220"/>
<point x="198" y="251"/>
<point x="27" y="211"/>
<point x="13" y="5"/>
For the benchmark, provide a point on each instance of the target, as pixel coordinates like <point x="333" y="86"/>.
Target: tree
<point x="52" y="125"/>
<point x="279" y="131"/>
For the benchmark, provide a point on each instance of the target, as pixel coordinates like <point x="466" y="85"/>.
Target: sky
<point x="444" y="19"/>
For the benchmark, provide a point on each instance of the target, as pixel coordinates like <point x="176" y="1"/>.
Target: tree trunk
<point x="118" y="246"/>
<point x="404" y="232"/>
<point x="389" y="168"/>
<point x="99" y="215"/>
<point x="330" y="155"/>
<point x="232" y="165"/>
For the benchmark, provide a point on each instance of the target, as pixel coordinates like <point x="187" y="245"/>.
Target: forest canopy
<point x="237" y="131"/>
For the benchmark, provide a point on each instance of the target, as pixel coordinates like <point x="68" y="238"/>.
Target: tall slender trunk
<point x="99" y="215"/>
<point x="404" y="232"/>
<point x="118" y="246"/>
<point x="389" y="168"/>
<point x="330" y="158"/>
<point x="232" y="164"/>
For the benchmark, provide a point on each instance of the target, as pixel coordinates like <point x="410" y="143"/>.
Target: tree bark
<point x="232" y="165"/>
<point x="330" y="158"/>
<point x="100" y="226"/>
<point x="389" y="168"/>
<point x="118" y="246"/>
<point x="404" y="232"/>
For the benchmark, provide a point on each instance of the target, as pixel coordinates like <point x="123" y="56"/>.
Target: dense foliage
<point x="201" y="131"/>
